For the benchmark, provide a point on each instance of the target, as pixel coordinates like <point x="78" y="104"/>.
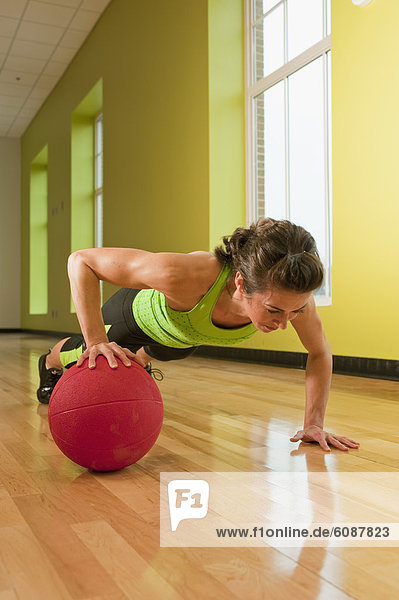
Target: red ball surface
<point x="103" y="418"/>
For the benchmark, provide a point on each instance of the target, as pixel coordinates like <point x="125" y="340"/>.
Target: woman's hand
<point x="317" y="434"/>
<point x="109" y="350"/>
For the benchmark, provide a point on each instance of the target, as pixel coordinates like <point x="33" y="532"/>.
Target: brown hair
<point x="273" y="253"/>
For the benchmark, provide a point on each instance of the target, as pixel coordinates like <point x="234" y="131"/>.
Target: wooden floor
<point x="67" y="533"/>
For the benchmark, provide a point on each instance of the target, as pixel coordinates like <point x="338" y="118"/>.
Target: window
<point x="288" y="118"/>
<point x="86" y="172"/>
<point x="38" y="242"/>
<point x="98" y="181"/>
<point x="98" y="187"/>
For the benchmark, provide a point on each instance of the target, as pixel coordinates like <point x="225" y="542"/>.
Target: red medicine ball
<point x="104" y="418"/>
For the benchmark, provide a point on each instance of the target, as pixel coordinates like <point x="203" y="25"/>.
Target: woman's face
<point x="272" y="309"/>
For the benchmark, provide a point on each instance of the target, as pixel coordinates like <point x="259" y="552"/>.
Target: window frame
<point x="255" y="88"/>
<point x="98" y="190"/>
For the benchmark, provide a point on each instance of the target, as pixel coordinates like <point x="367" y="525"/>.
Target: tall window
<point x="86" y="172"/>
<point x="288" y="112"/>
<point x="38" y="234"/>
<point x="98" y="187"/>
<point x="98" y="181"/>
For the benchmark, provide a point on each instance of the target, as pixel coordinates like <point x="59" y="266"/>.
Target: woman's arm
<point x="318" y="380"/>
<point x="319" y="364"/>
<point x="124" y="267"/>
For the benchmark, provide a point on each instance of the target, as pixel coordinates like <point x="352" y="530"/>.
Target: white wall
<point x="10" y="237"/>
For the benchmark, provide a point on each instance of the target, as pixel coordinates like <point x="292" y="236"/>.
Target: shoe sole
<point x="40" y="365"/>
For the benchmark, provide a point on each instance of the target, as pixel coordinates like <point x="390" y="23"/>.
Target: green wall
<point x="365" y="54"/>
<point x="226" y="118"/>
<point x="362" y="320"/>
<point x="174" y="153"/>
<point x="153" y="60"/>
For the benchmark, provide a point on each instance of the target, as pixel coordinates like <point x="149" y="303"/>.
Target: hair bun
<point x="271" y="253"/>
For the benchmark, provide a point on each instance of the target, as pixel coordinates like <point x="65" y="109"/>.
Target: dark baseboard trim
<point x="344" y="365"/>
<point x="374" y="368"/>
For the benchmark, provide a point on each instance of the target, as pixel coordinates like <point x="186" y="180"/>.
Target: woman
<point x="259" y="279"/>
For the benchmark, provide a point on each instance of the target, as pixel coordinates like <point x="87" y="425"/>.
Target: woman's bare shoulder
<point x="194" y="274"/>
<point x="199" y="269"/>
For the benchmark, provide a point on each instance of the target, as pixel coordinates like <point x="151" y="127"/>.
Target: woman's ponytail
<point x="273" y="253"/>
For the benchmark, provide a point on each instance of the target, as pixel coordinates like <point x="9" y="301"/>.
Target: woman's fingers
<point x="298" y="436"/>
<point x="125" y="355"/>
<point x="320" y="437"/>
<point x="134" y="357"/>
<point x="82" y="358"/>
<point x="109" y="351"/>
<point x="93" y="353"/>
<point x="349" y="442"/>
<point x="324" y="439"/>
<point x="335" y="442"/>
<point x="120" y="353"/>
<point x="129" y="353"/>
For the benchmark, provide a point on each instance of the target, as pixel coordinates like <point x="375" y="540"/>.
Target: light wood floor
<point x="66" y="533"/>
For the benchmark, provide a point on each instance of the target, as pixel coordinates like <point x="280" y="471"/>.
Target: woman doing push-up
<point x="260" y="279"/>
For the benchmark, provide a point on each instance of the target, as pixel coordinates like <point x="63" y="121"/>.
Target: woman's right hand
<point x="109" y="350"/>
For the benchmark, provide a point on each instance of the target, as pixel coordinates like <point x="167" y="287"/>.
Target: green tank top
<point x="183" y="329"/>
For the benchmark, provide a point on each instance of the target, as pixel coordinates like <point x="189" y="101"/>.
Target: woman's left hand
<point x="317" y="434"/>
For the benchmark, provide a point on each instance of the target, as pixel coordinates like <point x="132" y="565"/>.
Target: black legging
<point x="118" y="314"/>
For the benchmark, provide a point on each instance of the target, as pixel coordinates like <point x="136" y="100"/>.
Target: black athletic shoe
<point x="48" y="379"/>
<point x="155" y="373"/>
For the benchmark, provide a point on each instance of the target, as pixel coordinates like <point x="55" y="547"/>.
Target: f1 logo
<point x="188" y="499"/>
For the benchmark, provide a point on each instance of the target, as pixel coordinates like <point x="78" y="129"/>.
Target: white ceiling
<point x="38" y="39"/>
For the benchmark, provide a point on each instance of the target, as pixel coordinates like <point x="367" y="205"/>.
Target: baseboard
<point x="374" y="368"/>
<point x="345" y="365"/>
